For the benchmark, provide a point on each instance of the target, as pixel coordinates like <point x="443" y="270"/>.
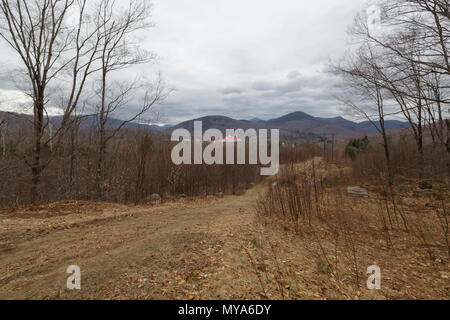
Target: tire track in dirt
<point x="167" y="251"/>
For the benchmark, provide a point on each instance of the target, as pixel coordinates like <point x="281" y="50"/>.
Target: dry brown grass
<point x="217" y="248"/>
<point x="334" y="238"/>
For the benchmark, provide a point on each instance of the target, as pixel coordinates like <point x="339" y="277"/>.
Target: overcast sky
<point x="244" y="58"/>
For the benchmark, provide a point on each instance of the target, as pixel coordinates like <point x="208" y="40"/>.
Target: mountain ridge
<point x="293" y="124"/>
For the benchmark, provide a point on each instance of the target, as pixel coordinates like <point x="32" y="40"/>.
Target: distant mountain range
<point x="16" y="119"/>
<point x="294" y="125"/>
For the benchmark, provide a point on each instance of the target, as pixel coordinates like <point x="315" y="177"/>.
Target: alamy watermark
<point x="209" y="147"/>
<point x="373" y="18"/>
<point x="74" y="280"/>
<point x="374" y="280"/>
<point x="379" y="17"/>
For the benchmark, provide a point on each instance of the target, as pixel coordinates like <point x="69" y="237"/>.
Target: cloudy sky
<point x="245" y="58"/>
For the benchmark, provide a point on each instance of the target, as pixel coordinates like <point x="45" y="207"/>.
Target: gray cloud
<point x="293" y="75"/>
<point x="290" y="86"/>
<point x="244" y="59"/>
<point x="231" y="90"/>
<point x="262" y="85"/>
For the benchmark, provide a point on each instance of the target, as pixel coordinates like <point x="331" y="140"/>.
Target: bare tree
<point x="413" y="54"/>
<point x="437" y="116"/>
<point x="364" y="94"/>
<point x="429" y="19"/>
<point x="405" y="83"/>
<point x="49" y="47"/>
<point x="119" y="50"/>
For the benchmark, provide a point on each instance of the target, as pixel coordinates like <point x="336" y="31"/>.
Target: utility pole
<point x="326" y="140"/>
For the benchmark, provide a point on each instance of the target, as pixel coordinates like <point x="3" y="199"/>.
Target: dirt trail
<point x="208" y="249"/>
<point x="187" y="249"/>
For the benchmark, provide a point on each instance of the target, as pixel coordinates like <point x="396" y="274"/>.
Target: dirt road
<point x="186" y="249"/>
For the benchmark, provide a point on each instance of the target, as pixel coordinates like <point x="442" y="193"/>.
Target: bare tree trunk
<point x="3" y="132"/>
<point x="73" y="157"/>
<point x="381" y="119"/>
<point x="3" y="143"/>
<point x="387" y="155"/>
<point x="143" y="150"/>
<point x="421" y="158"/>
<point x="447" y="122"/>
<point x="102" y="140"/>
<point x="36" y="168"/>
<point x="100" y="177"/>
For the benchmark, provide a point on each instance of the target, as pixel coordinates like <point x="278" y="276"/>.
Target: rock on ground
<point x="154" y="197"/>
<point x="408" y="202"/>
<point x="357" y="192"/>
